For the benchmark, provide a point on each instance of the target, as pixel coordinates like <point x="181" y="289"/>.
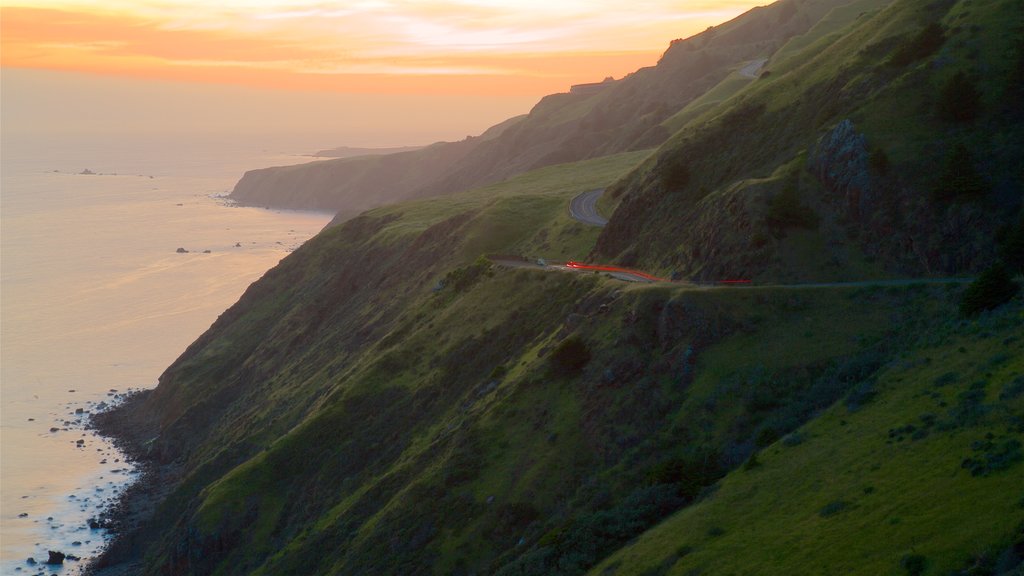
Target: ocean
<point x="96" y="299"/>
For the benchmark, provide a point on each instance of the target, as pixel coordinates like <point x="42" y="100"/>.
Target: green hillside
<point x="387" y="400"/>
<point x="851" y="146"/>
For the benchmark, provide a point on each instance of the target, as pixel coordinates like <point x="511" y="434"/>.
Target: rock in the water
<point x="31" y="561"/>
<point x="181" y="251"/>
<point x="207" y="251"/>
<point x="55" y="557"/>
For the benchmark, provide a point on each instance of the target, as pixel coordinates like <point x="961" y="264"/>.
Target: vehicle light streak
<point x="582" y="266"/>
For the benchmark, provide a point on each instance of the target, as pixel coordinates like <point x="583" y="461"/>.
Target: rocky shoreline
<point x="127" y="425"/>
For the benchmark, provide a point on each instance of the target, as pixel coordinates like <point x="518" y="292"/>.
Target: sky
<point x="470" y="62"/>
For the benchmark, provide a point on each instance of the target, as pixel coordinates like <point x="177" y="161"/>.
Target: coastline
<point x="127" y="425"/>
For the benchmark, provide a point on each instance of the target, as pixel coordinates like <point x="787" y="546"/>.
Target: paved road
<point x="636" y="276"/>
<point x="753" y="69"/>
<point x="583" y="208"/>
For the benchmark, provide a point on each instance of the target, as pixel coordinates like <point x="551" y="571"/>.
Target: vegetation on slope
<point x="861" y="121"/>
<point x="922" y="476"/>
<point x="387" y="402"/>
<point x="351" y="415"/>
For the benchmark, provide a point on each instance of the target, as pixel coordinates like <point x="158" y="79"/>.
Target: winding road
<point x="753" y="69"/>
<point x="583" y="208"/>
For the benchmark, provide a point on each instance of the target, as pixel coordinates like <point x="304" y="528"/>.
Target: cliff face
<point x="349" y="185"/>
<point x="568" y="127"/>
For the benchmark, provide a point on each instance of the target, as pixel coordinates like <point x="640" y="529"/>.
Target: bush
<point x="879" y="161"/>
<point x="924" y="44"/>
<point x="959" y="100"/>
<point x="992" y="289"/>
<point x="674" y="171"/>
<point x="914" y="564"/>
<point x="833" y="508"/>
<point x="570" y="356"/>
<point x="960" y="179"/>
<point x="461" y="279"/>
<point x="786" y="211"/>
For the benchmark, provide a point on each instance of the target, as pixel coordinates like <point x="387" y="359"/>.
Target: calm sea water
<point x="95" y="298"/>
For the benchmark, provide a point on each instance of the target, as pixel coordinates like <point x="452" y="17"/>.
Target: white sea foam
<point x="95" y="297"/>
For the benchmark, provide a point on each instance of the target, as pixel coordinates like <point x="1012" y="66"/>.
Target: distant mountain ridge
<point x="349" y="152"/>
<point x="566" y="127"/>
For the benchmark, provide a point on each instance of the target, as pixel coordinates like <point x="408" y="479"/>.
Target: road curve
<point x="583" y="208"/>
<point x="753" y="69"/>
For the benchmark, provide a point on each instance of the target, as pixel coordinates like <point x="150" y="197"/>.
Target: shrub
<point x="570" y="356"/>
<point x="992" y="289"/>
<point x="864" y="392"/>
<point x="1013" y="389"/>
<point x="922" y="45"/>
<point x="914" y="564"/>
<point x="959" y="100"/>
<point x="879" y="161"/>
<point x="785" y="210"/>
<point x="960" y="179"/>
<point x="833" y="508"/>
<point x="993" y="456"/>
<point x="461" y="279"/>
<point x="674" y="171"/>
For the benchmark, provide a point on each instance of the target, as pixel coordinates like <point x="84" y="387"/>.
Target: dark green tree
<point x="959" y="100"/>
<point x="960" y="179"/>
<point x="922" y="45"/>
<point x="674" y="171"/>
<point x="992" y="289"/>
<point x="785" y="210"/>
<point x="570" y="356"/>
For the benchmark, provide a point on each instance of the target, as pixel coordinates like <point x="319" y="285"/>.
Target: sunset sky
<point x="503" y="50"/>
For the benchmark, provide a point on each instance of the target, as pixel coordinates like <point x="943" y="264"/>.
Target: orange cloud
<point x="444" y="47"/>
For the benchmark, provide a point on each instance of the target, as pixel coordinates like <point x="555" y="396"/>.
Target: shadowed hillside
<point x="626" y="115"/>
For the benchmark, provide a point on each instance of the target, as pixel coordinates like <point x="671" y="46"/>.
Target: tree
<point x="959" y="100"/>
<point x="571" y="355"/>
<point x="992" y="289"/>
<point x="922" y="45"/>
<point x="960" y="179"/>
<point x="786" y="211"/>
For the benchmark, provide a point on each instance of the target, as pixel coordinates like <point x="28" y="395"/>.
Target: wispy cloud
<point x="486" y="38"/>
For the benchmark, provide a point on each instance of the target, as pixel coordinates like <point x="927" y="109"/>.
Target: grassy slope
<point x="826" y="30"/>
<point x="777" y="119"/>
<point x="346" y="418"/>
<point x="901" y="494"/>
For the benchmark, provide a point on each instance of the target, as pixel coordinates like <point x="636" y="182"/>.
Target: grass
<point x="524" y="214"/>
<point x="900" y="497"/>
